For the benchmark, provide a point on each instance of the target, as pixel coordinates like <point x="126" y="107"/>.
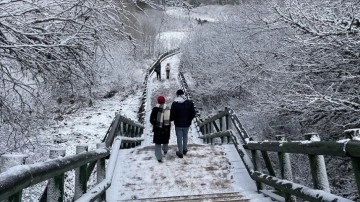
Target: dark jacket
<point x="182" y="112"/>
<point x="158" y="67"/>
<point x="161" y="135"/>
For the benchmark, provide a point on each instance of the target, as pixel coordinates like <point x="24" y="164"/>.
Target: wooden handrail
<point x="116" y="129"/>
<point x="213" y="127"/>
<point x="347" y="148"/>
<point x="102" y="186"/>
<point x="214" y="118"/>
<point x="19" y="177"/>
<point x="296" y="189"/>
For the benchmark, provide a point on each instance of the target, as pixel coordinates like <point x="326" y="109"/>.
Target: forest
<point x="285" y="66"/>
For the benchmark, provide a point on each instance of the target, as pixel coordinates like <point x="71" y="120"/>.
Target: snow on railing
<point x="126" y="132"/>
<point x="218" y="126"/>
<point x="15" y="179"/>
<point x="98" y="190"/>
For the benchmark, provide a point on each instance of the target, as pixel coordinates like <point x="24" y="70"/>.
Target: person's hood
<point x="180" y="99"/>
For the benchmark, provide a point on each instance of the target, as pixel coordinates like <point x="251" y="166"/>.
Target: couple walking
<point x="158" y="70"/>
<point x="181" y="112"/>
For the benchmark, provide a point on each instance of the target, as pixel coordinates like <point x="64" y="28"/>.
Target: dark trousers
<point x="167" y="74"/>
<point x="158" y="76"/>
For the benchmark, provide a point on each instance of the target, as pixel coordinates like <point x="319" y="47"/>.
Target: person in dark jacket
<point x="158" y="71"/>
<point x="160" y="119"/>
<point x="182" y="113"/>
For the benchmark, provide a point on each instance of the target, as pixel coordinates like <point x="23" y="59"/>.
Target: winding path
<point x="207" y="169"/>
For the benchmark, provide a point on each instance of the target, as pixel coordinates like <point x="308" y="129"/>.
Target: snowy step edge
<point x="220" y="199"/>
<point x="189" y="197"/>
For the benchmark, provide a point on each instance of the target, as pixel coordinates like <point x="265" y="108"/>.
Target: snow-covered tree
<point x="287" y="68"/>
<point x="51" y="49"/>
<point x="324" y="60"/>
<point x="301" y="60"/>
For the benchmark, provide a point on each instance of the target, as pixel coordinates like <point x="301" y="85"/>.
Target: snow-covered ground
<point x="205" y="169"/>
<point x="175" y="176"/>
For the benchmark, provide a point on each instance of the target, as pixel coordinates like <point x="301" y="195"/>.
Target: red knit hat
<point x="161" y="99"/>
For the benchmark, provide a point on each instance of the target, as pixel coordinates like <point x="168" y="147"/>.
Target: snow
<point x="139" y="175"/>
<point x="216" y="168"/>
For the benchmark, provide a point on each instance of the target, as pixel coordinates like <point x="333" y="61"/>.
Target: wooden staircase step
<point x="217" y="197"/>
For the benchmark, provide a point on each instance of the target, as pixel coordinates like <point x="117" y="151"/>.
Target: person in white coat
<point x="167" y="68"/>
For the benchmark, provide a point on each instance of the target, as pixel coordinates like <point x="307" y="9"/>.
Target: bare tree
<point x="289" y="68"/>
<point x="325" y="60"/>
<point x="50" y="48"/>
<point x="300" y="61"/>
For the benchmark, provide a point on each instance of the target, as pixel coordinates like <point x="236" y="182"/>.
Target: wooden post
<point x="55" y="188"/>
<point x="221" y="125"/>
<point x="133" y="134"/>
<point x="317" y="166"/>
<point x="122" y="129"/>
<point x="202" y="129"/>
<point x="123" y="126"/>
<point x="210" y="128"/>
<point x="141" y="132"/>
<point x="128" y="130"/>
<point x="137" y="134"/>
<point x="80" y="175"/>
<point x="285" y="168"/>
<point x="354" y="135"/>
<point x="100" y="170"/>
<point x="227" y="123"/>
<point x="205" y="129"/>
<point x="256" y="162"/>
<point x="8" y="161"/>
<point x="210" y="131"/>
<point x="268" y="163"/>
<point x="119" y="128"/>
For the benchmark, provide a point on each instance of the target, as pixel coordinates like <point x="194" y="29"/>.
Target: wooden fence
<point x="123" y="133"/>
<point x="226" y="126"/>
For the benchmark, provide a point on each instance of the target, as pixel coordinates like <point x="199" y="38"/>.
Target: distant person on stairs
<point x="167" y="68"/>
<point x="158" y="70"/>
<point x="160" y="119"/>
<point x="182" y="113"/>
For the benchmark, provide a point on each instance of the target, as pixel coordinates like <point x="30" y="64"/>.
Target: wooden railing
<point x="123" y="133"/>
<point x="226" y="126"/>
<point x="149" y="72"/>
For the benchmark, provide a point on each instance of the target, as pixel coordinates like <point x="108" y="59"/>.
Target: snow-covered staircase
<point x="206" y="173"/>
